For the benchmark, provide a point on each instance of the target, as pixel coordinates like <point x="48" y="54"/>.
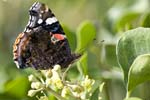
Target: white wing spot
<point x="50" y="21"/>
<point x="40" y="21"/>
<point x="17" y="64"/>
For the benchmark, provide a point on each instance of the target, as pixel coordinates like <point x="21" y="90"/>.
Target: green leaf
<point x="70" y="36"/>
<point x="139" y="71"/>
<point x="95" y="94"/>
<point x="126" y="20"/>
<point x="85" y="34"/>
<point x="145" y="21"/>
<point x="133" y="98"/>
<point x="97" y="90"/>
<point x="132" y="44"/>
<point x="101" y="86"/>
<point x="17" y="87"/>
<point x="120" y="18"/>
<point x="82" y="64"/>
<point x="110" y="55"/>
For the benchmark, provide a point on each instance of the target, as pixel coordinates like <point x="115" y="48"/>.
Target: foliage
<point x="133" y="57"/>
<point x="111" y="35"/>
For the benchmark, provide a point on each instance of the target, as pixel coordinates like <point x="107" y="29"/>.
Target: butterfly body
<point x="43" y="43"/>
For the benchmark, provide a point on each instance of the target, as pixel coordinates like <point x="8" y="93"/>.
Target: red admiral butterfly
<point x="43" y="43"/>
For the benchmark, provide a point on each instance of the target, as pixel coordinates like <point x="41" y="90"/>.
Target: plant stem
<point x="64" y="74"/>
<point x="128" y="94"/>
<point x="55" y="94"/>
<point x="106" y="88"/>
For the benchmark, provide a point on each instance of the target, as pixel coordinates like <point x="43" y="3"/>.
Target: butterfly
<point x="43" y="42"/>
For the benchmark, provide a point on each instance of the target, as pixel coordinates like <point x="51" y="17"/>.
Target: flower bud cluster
<point x="36" y="85"/>
<point x="52" y="79"/>
<point x="79" y="90"/>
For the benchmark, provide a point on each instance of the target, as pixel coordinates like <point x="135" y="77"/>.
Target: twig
<point x="65" y="73"/>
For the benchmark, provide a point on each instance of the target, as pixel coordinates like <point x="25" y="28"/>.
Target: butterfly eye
<point x="33" y="13"/>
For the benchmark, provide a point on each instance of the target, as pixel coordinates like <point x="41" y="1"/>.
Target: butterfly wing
<point x="44" y="43"/>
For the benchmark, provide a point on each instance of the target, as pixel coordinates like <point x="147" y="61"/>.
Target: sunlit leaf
<point x="85" y="34"/>
<point x="132" y="44"/>
<point x="139" y="71"/>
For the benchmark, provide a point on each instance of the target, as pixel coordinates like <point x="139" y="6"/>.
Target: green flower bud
<point x="31" y="93"/>
<point x="77" y="88"/>
<point x="36" y="85"/>
<point x="32" y="78"/>
<point x="57" y="68"/>
<point x="65" y="92"/>
<point x="48" y="73"/>
<point x="56" y="80"/>
<point x="83" y="96"/>
<point x="87" y="83"/>
<point x="48" y="82"/>
<point x="58" y="83"/>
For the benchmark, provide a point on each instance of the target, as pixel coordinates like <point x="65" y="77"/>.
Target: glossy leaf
<point x="139" y="71"/>
<point x="85" y="34"/>
<point x="132" y="44"/>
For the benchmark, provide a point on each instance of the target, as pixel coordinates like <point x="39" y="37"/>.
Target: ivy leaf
<point x="132" y="44"/>
<point x="85" y="34"/>
<point x="139" y="71"/>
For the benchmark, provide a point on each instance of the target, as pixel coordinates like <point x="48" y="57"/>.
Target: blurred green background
<point x="110" y="18"/>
